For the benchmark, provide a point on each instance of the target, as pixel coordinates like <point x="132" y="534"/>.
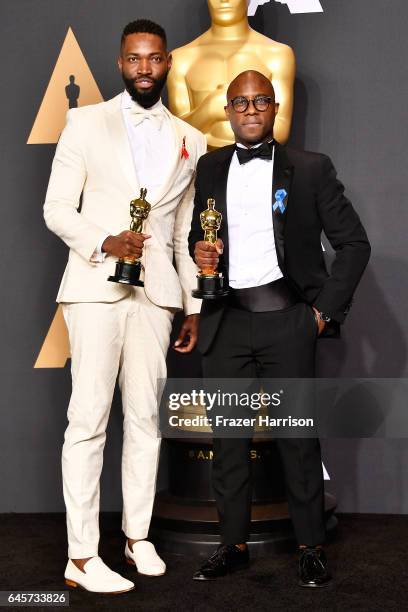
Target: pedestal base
<point x="192" y="528"/>
<point x="185" y="517"/>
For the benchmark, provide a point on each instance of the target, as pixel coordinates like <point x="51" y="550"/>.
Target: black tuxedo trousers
<point x="278" y="344"/>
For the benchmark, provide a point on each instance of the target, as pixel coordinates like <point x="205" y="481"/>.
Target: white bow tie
<point x="138" y="114"/>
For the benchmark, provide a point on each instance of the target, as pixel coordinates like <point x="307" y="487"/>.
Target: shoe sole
<point x="131" y="562"/>
<point x="238" y="568"/>
<point x="76" y="585"/>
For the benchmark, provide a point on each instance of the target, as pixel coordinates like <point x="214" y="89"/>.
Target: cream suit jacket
<point x="94" y="158"/>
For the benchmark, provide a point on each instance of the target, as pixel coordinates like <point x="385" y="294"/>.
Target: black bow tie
<point x="262" y="152"/>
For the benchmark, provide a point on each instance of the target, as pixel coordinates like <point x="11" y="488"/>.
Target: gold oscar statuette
<point x="203" y="68"/>
<point x="128" y="269"/>
<point x="210" y="282"/>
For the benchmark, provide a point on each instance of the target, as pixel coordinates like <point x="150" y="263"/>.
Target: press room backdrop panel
<point x="351" y="94"/>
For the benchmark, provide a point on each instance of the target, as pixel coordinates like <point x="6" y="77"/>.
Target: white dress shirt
<point x="152" y="145"/>
<point x="252" y="254"/>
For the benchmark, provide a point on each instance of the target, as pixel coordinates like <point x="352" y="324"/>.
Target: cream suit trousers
<point x="129" y="339"/>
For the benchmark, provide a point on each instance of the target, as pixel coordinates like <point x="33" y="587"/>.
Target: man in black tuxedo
<point x="275" y="202"/>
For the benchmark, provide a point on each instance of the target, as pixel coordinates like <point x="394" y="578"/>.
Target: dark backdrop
<point x="351" y="93"/>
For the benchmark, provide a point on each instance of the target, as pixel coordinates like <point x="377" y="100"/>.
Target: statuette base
<point x="210" y="287"/>
<point x="127" y="274"/>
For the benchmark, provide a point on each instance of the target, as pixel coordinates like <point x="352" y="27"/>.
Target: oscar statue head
<point x="227" y="12"/>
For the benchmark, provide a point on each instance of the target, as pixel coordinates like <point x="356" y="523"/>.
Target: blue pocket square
<point x="279" y="203"/>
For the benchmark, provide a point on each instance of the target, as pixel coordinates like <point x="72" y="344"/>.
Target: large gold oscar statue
<point x="203" y="69"/>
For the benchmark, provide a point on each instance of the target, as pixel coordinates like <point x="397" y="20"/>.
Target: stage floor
<point x="368" y="558"/>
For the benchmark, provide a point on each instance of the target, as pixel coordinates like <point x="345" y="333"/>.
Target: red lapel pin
<point x="184" y="152"/>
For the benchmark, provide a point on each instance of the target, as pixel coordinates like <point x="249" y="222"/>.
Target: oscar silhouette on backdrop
<point x="72" y="92"/>
<point x="203" y="68"/>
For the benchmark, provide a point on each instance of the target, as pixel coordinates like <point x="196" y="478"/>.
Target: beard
<point x="146" y="98"/>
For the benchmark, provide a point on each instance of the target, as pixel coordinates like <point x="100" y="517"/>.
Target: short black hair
<point x="143" y="26"/>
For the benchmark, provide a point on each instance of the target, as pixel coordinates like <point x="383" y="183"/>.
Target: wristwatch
<point x="324" y="317"/>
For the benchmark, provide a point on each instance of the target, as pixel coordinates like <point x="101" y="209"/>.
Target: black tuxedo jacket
<point x="315" y="203"/>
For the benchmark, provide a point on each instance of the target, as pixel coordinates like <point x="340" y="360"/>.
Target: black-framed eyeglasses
<point x="261" y="103"/>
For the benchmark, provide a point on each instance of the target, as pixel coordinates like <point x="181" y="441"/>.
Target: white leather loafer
<point x="146" y="559"/>
<point x="98" y="578"/>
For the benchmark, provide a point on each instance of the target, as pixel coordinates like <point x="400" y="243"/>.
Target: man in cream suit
<point x="107" y="152"/>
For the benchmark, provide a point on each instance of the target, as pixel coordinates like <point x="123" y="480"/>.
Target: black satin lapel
<point x="282" y="179"/>
<point x="221" y="180"/>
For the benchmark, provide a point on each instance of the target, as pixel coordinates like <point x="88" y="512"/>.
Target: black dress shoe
<point x="313" y="568"/>
<point x="227" y="558"/>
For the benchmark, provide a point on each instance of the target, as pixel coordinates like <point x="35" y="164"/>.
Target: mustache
<point x="145" y="78"/>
